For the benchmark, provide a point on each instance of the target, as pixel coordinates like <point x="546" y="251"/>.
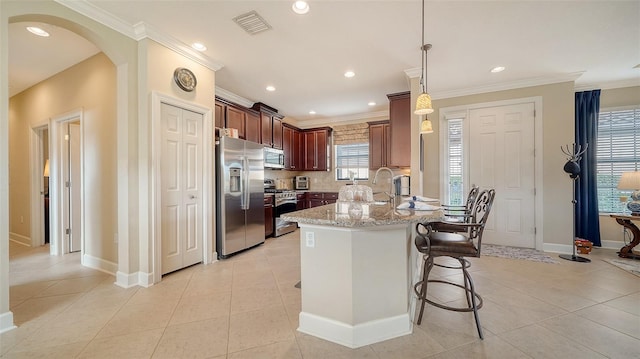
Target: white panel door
<point x="75" y="188"/>
<point x="501" y="156"/>
<point x="181" y="178"/>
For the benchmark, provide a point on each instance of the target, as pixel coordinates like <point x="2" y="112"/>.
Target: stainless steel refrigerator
<point x="239" y="195"/>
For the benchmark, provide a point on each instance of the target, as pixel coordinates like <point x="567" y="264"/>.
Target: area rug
<point x="516" y="253"/>
<point x="628" y="264"/>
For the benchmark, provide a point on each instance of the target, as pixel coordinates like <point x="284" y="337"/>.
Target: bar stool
<point x="433" y="244"/>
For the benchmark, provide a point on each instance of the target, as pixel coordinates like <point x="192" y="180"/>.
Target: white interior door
<point x="75" y="188"/>
<point x="501" y="156"/>
<point x="181" y="197"/>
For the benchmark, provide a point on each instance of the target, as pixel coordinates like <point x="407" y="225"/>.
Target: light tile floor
<point x="247" y="307"/>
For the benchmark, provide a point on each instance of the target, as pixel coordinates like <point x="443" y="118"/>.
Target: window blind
<point x="617" y="151"/>
<point x="454" y="161"/>
<point x="352" y="158"/>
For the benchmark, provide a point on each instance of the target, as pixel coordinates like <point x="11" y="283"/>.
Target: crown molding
<point x="93" y="12"/>
<point x="609" y="85"/>
<point x="536" y="81"/>
<point x="413" y="73"/>
<point x="341" y="120"/>
<point x="145" y="30"/>
<point x="139" y="31"/>
<point x="232" y="97"/>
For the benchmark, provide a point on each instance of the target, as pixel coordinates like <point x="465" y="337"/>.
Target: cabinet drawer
<point x="330" y="195"/>
<point x="314" y="195"/>
<point x="268" y="200"/>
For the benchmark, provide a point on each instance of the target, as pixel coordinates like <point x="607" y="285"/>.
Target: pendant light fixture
<point x="423" y="103"/>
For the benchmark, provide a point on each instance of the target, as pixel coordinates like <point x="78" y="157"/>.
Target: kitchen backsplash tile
<point x="321" y="181"/>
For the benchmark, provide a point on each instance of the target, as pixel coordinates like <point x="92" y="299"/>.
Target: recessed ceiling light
<point x="371" y="103"/>
<point x="198" y="46"/>
<point x="349" y="74"/>
<point x="312" y="112"/>
<point x="497" y="69"/>
<point x="300" y="7"/>
<point x="37" y="31"/>
<point x="271" y="88"/>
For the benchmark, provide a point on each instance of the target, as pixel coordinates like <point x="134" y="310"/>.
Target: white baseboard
<point x="125" y="280"/>
<point x="20" y="239"/>
<point x="355" y="336"/>
<point x="568" y="249"/>
<point x="6" y="322"/>
<point x="99" y="264"/>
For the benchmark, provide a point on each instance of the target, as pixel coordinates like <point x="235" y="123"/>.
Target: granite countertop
<point x="341" y="214"/>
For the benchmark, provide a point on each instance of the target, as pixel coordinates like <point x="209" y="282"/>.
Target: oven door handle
<point x="288" y="201"/>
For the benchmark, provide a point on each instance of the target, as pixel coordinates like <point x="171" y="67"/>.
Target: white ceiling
<point x="304" y="56"/>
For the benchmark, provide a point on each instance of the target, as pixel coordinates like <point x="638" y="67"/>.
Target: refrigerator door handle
<point x="246" y="189"/>
<point x="242" y="184"/>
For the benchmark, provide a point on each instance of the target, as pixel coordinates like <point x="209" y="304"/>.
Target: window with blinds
<point x="618" y="151"/>
<point x="454" y="162"/>
<point x="352" y="161"/>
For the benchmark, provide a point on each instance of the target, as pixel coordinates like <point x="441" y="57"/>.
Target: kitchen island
<point x="358" y="263"/>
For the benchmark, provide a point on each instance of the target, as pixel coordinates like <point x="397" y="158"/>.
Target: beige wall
<point x="159" y="63"/>
<point x="90" y="86"/>
<point x="557" y="130"/>
<point x="610" y="230"/>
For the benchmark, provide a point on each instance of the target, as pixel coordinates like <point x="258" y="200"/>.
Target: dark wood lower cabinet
<point x="316" y="199"/>
<point x="268" y="216"/>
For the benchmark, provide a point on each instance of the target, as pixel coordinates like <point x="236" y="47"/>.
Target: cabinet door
<point x="277" y="132"/>
<point x="400" y="122"/>
<point x="268" y="220"/>
<point x="287" y="147"/>
<point x="309" y="139"/>
<point x="297" y="163"/>
<point x="266" y="129"/>
<point x="377" y="146"/>
<point x="252" y="132"/>
<point x="292" y="147"/>
<point x="219" y="120"/>
<point x="321" y="150"/>
<point x="235" y="118"/>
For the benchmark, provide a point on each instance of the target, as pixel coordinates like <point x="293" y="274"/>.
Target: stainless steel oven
<point x="285" y="202"/>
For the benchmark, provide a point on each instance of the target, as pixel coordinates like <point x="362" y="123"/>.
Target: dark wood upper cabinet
<point x="292" y="147"/>
<point x="219" y="113"/>
<point x="235" y="118"/>
<point x="400" y="129"/>
<point x="252" y="124"/>
<point x="316" y="149"/>
<point x="270" y="125"/>
<point x="266" y="125"/>
<point x="379" y="146"/>
<point x="277" y="132"/>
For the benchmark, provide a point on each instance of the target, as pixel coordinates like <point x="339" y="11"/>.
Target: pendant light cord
<point x="422" y="51"/>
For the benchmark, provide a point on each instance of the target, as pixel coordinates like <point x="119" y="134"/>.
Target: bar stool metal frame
<point x="433" y="244"/>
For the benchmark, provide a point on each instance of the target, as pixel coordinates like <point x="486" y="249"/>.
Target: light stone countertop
<point x="342" y="214"/>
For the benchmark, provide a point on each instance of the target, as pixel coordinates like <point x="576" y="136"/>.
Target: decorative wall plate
<point x="185" y="79"/>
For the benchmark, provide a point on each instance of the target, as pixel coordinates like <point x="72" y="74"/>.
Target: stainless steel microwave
<point x="273" y="158"/>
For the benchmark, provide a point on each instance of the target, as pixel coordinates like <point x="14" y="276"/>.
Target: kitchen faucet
<point x="391" y="193"/>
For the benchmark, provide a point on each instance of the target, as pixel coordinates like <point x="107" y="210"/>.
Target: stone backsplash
<point x="325" y="181"/>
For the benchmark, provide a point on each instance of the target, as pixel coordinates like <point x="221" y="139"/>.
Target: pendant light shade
<point x="426" y="126"/>
<point x="423" y="104"/>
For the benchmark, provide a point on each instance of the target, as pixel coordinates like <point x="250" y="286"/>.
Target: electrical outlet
<point x="21" y="219"/>
<point x="311" y="239"/>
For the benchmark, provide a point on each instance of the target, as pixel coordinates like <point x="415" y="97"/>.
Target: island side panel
<point x="326" y="274"/>
<point x="380" y="272"/>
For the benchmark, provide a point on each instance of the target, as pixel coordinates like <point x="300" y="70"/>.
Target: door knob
<point x="192" y="197"/>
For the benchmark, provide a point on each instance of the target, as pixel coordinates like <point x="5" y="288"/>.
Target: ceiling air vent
<point x="252" y="23"/>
